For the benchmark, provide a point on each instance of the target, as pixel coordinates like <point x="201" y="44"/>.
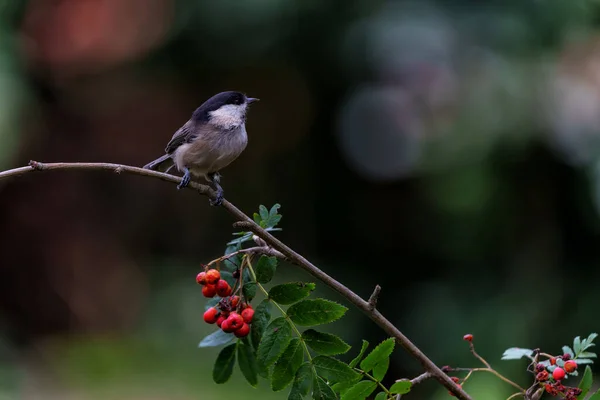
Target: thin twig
<point x="374" y="297"/>
<point x="492" y="371"/>
<point x="276" y="244"/>
<point x="249" y="250"/>
<point x="472" y="346"/>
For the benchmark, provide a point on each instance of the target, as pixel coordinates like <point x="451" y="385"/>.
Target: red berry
<point x="226" y="326"/>
<point x="566" y="356"/>
<point x="247" y="315"/>
<point x="223" y="288"/>
<point x="542" y="376"/>
<point x="201" y="278"/>
<point x="220" y="320"/>
<point x="468" y="337"/>
<point x="209" y="291"/>
<point x="455" y="379"/>
<point x="235" y="320"/>
<point x="211" y="315"/>
<point x="570" y="365"/>
<point x="552" y="361"/>
<point x="234" y="301"/>
<point x="212" y="276"/>
<point x="558" y="373"/>
<point x="244" y="330"/>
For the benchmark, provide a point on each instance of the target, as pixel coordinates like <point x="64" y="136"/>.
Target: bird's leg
<point x="185" y="180"/>
<point x="215" y="179"/>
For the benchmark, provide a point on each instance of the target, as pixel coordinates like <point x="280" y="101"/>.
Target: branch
<point x="272" y="241"/>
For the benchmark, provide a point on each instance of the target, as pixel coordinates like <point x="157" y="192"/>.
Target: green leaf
<point x="249" y="290"/>
<point x="217" y="338"/>
<point x="211" y="302"/>
<point x="262" y="316"/>
<point x="289" y="293"/>
<point x="276" y="338"/>
<point x="581" y="361"/>
<point x="247" y="363"/>
<point x="256" y="217"/>
<point x="586" y="354"/>
<point x="302" y="382"/>
<point x="264" y="213"/>
<point x="343" y="387"/>
<point x="287" y="365"/>
<point x="360" y="391"/>
<point x="595" y="396"/>
<point x="382" y="351"/>
<point x="315" y="312"/>
<point x="568" y="350"/>
<point x="321" y="390"/>
<point x="360" y="355"/>
<point x="234" y="262"/>
<point x="324" y="343"/>
<point x="586" y="381"/>
<point x="591" y="338"/>
<point x="224" y="364"/>
<point x="401" y="387"/>
<point x="274" y="217"/>
<point x="577" y="344"/>
<point x="381" y="396"/>
<point x="228" y="277"/>
<point x="381" y="368"/>
<point x="265" y="269"/>
<point x="516" y="353"/>
<point x="333" y="370"/>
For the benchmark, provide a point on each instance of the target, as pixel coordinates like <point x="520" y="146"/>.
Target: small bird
<point x="209" y="141"/>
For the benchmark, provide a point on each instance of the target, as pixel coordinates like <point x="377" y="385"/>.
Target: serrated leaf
<point x="382" y="351"/>
<point x="287" y="365"/>
<point x="568" y="350"/>
<point x="302" y="382"/>
<point x="260" y="320"/>
<point x="360" y="391"/>
<point x="516" y="353"/>
<point x="224" y="364"/>
<point x="333" y="369"/>
<point x="315" y="312"/>
<point x="249" y="290"/>
<point x="247" y="363"/>
<point x="381" y="396"/>
<point x="217" y="338"/>
<point x="595" y="396"/>
<point x="265" y="268"/>
<point x="274" y="217"/>
<point x="586" y="354"/>
<point x="401" y="387"/>
<point x="360" y="355"/>
<point x="324" y="343"/>
<point x="264" y="213"/>
<point x="577" y="344"/>
<point x="380" y="369"/>
<point x="289" y="293"/>
<point x="343" y="387"/>
<point x="586" y="381"/>
<point x="321" y="390"/>
<point x="276" y="338"/>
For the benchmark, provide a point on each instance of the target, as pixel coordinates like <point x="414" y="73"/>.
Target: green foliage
<point x="290" y="293"/>
<point x="218" y="338"/>
<point x="266" y="219"/>
<point x="321" y="390"/>
<point x="315" y="312"/>
<point x="516" y="353"/>
<point x="363" y="350"/>
<point x="262" y="317"/>
<point x="324" y="343"/>
<point x="360" y="391"/>
<point x="265" y="269"/>
<point x="302" y="382"/>
<point x="276" y="338"/>
<point x="378" y="354"/>
<point x="224" y="364"/>
<point x="333" y="369"/>
<point x="401" y="387"/>
<point x="586" y="381"/>
<point x="287" y="365"/>
<point x="247" y="363"/>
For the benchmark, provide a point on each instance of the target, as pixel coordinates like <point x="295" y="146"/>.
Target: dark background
<point x="446" y="150"/>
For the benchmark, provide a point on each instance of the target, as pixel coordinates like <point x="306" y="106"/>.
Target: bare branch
<point x="374" y="297"/>
<point x="247" y="223"/>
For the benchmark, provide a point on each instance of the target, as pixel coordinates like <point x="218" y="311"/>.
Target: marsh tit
<point x="209" y="141"/>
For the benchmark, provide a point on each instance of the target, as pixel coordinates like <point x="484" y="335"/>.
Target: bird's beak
<point x="252" y="100"/>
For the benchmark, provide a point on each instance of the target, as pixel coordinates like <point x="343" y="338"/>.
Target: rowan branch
<point x="247" y="223"/>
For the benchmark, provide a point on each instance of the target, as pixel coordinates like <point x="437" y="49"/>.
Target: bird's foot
<point x="185" y="180"/>
<point x="218" y="200"/>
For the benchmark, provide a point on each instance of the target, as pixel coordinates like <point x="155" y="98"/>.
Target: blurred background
<point x="447" y="150"/>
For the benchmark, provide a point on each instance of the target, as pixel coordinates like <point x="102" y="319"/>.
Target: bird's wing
<point x="185" y="134"/>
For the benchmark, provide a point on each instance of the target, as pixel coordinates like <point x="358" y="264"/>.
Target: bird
<point x="213" y="137"/>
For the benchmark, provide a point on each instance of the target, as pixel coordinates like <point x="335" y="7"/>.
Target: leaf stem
<point x="492" y="371"/>
<point x="387" y="392"/>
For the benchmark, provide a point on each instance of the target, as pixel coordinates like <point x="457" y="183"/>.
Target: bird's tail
<point x="163" y="164"/>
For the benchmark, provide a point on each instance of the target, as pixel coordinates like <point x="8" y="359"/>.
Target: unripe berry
<point x="570" y="365"/>
<point x="542" y="376"/>
<point x="212" y="276"/>
<point x="235" y="320"/>
<point x="223" y="288"/>
<point x="211" y="315"/>
<point x="234" y="301"/>
<point x="244" y="330"/>
<point x="558" y="373"/>
<point x="201" y="278"/>
<point x="209" y="291"/>
<point x="247" y="315"/>
<point x="566" y="356"/>
<point x="468" y="337"/>
<point x="220" y="320"/>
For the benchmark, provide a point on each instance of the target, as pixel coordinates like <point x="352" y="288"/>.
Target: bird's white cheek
<point x="228" y="116"/>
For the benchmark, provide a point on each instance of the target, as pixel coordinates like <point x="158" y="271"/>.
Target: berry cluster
<point x="230" y="314"/>
<point x="553" y="385"/>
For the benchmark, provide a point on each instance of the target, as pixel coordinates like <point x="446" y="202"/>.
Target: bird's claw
<point x="184" y="181"/>
<point x="218" y="200"/>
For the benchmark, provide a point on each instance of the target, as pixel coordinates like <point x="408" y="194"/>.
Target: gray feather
<point x="163" y="163"/>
